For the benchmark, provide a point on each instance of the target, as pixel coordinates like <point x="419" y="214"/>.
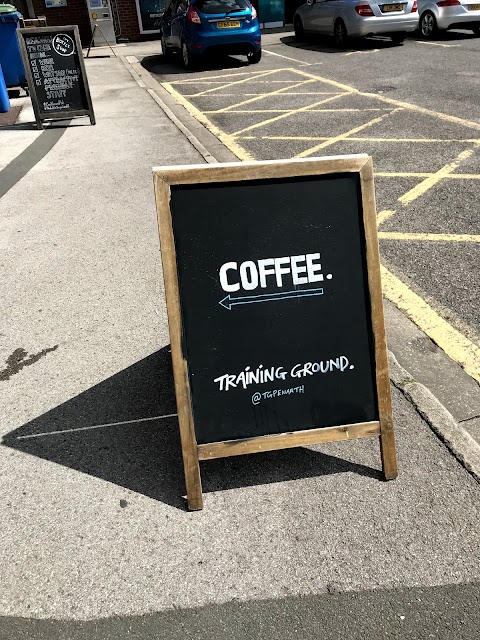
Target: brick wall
<point x="127" y="15"/>
<point x="74" y="13"/>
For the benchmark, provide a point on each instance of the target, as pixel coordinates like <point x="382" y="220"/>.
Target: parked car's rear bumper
<point x="383" y="25"/>
<point x="457" y="16"/>
<point x="232" y="41"/>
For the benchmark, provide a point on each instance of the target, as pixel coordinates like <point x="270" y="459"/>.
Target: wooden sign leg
<point x="387" y="450"/>
<point x="193" y="480"/>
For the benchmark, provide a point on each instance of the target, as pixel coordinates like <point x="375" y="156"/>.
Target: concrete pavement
<point x="93" y="522"/>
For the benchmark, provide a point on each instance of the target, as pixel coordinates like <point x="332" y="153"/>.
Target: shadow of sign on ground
<point x="116" y="431"/>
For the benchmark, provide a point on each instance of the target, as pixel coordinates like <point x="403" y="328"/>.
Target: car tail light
<point x="254" y="13"/>
<point x="192" y="15"/>
<point x="415" y="7"/>
<point x="448" y="3"/>
<point x="364" y="10"/>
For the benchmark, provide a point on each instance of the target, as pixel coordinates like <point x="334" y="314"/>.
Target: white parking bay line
<point x="436" y="44"/>
<point x="279" y="55"/>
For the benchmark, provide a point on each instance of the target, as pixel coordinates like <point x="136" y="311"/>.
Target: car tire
<point x="254" y="57"/>
<point x="340" y="34"/>
<point x="187" y="57"/>
<point x="298" y="28"/>
<point x="428" y="25"/>
<point x="398" y="38"/>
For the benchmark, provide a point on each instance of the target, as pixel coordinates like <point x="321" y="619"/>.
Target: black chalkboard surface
<point x="57" y="80"/>
<point x="286" y="354"/>
<point x="275" y="311"/>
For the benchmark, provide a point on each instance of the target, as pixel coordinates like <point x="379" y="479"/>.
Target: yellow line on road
<point x="332" y="83"/>
<point x="450" y="176"/>
<point x="227" y="113"/>
<point x="235" y="82"/>
<point x="404" y="105"/>
<point x="287" y="115"/>
<point x="427" y="112"/>
<point x="368" y="139"/>
<point x="289" y="110"/>
<point x="432" y="180"/>
<point x="294" y="93"/>
<point x="343" y="136"/>
<point x="430" y="237"/>
<point x="455" y="345"/>
<point x="223" y="75"/>
<point x="263" y="96"/>
<point x="196" y="113"/>
<point x="384" y="215"/>
<point x="464" y="176"/>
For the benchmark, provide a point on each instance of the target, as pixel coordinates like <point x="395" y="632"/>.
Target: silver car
<point x="356" y="18"/>
<point x="448" y="14"/>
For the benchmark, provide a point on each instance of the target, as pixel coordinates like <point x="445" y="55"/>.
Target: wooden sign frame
<point x="192" y="453"/>
<point x="41" y="117"/>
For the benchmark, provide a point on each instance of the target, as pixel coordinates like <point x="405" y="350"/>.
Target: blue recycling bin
<point x="4" y="100"/>
<point x="10" y="58"/>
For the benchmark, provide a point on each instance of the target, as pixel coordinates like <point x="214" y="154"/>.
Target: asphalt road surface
<point x="441" y="613"/>
<point x="415" y="108"/>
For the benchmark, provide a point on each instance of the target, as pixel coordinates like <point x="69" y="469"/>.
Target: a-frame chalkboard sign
<point x="272" y="282"/>
<point x="56" y="76"/>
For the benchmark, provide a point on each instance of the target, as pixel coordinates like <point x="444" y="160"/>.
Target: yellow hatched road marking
<point x="404" y="105"/>
<point x="294" y="93"/>
<point x="384" y="215"/>
<point x="333" y="83"/>
<point x="196" y="113"/>
<point x="263" y="96"/>
<point x="289" y="111"/>
<point x="224" y="75"/>
<point x="331" y="141"/>
<point x="235" y="82"/>
<point x="370" y="139"/>
<point x="427" y="112"/>
<point x="287" y="115"/>
<point x="455" y="345"/>
<point x="432" y="180"/>
<point x="430" y="237"/>
<point x="448" y="176"/>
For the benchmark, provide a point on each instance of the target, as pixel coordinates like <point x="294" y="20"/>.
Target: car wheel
<point x="165" y="50"/>
<point x="340" y="34"/>
<point x="187" y="58"/>
<point x="298" y="28"/>
<point x="253" y="57"/>
<point x="398" y="38"/>
<point x="428" y="25"/>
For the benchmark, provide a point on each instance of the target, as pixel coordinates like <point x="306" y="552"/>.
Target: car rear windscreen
<point x="222" y="6"/>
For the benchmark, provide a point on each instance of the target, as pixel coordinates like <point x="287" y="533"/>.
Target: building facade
<point x="132" y="20"/>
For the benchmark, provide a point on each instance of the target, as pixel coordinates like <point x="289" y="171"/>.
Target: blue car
<point x="195" y="27"/>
